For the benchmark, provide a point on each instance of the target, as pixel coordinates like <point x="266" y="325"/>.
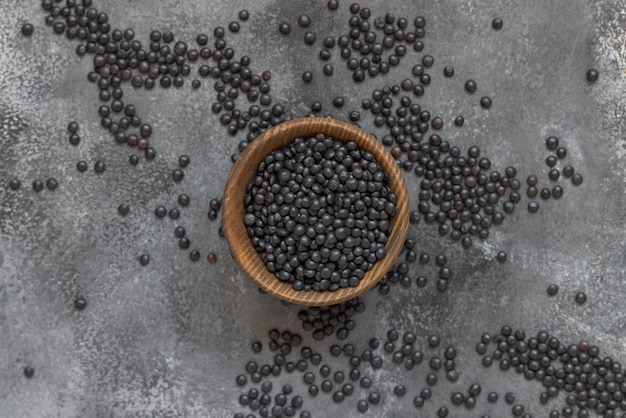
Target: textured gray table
<point x="168" y="339"/>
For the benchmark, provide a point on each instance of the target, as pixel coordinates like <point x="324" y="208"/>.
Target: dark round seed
<point x="552" y="143"/>
<point x="399" y="390"/>
<point x="234" y="27"/>
<point x="485" y="102"/>
<point x="448" y="71"/>
<point x="52" y="184"/>
<point x="37" y="185"/>
<point x="338" y="102"/>
<point x="592" y="75"/>
<point x="284" y="28"/>
<point x="509" y="398"/>
<point x="470" y="86"/>
<point x="29" y="372"/>
<point x="183" y="200"/>
<point x="580" y="298"/>
<point x="309" y="38"/>
<point x="183" y="161"/>
<point x="123" y="209"/>
<point x="374" y="398"/>
<point x="554" y="174"/>
<point x="178" y="175"/>
<point x="553" y="289"/>
<point x="304" y="21"/>
<point x="80" y="303"/>
<point x="27" y="29"/>
<point x="496" y="23"/>
<point x="517" y="410"/>
<point x="501" y="256"/>
<point x="577" y="179"/>
<point x="99" y="166"/>
<point x="211" y="258"/>
<point x="194" y="255"/>
<point x="144" y="259"/>
<point x="257" y="346"/>
<point x="160" y="211"/>
<point x="533" y="206"/>
<point x="362" y="405"/>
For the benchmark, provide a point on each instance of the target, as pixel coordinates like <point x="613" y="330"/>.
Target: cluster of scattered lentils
<point x="259" y="397"/>
<point x="371" y="46"/>
<point x="406" y="350"/>
<point x="458" y="191"/>
<point x="119" y="59"/>
<point x="319" y="212"/>
<point x="592" y="383"/>
<point x="400" y="272"/>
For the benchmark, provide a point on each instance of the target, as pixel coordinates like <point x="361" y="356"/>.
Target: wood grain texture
<point x="245" y="169"/>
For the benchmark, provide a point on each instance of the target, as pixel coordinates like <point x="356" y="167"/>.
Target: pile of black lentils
<point x="318" y="212"/>
<point x="316" y="243"/>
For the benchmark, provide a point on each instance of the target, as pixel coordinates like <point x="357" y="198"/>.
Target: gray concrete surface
<point x="168" y="339"/>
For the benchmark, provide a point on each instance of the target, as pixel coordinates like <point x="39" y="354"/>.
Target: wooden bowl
<point x="245" y="169"/>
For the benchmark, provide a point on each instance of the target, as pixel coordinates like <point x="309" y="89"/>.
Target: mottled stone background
<point x="168" y="339"/>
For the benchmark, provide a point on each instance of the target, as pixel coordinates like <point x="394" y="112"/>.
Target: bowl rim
<point x="275" y="138"/>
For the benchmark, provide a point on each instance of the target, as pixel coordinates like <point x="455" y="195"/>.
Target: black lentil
<point x="178" y="175"/>
<point x="81" y="166"/>
<point x="27" y="29"/>
<point x="552" y="289"/>
<point x="592" y="75"/>
<point x="29" y="372"/>
<point x="144" y="259"/>
<point x="284" y="28"/>
<point x="485" y="102"/>
<point x="37" y="185"/>
<point x="80" y="303"/>
<point x="52" y="184"/>
<point x="470" y="86"/>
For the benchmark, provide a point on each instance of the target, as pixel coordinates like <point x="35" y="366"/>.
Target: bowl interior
<point x="245" y="169"/>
